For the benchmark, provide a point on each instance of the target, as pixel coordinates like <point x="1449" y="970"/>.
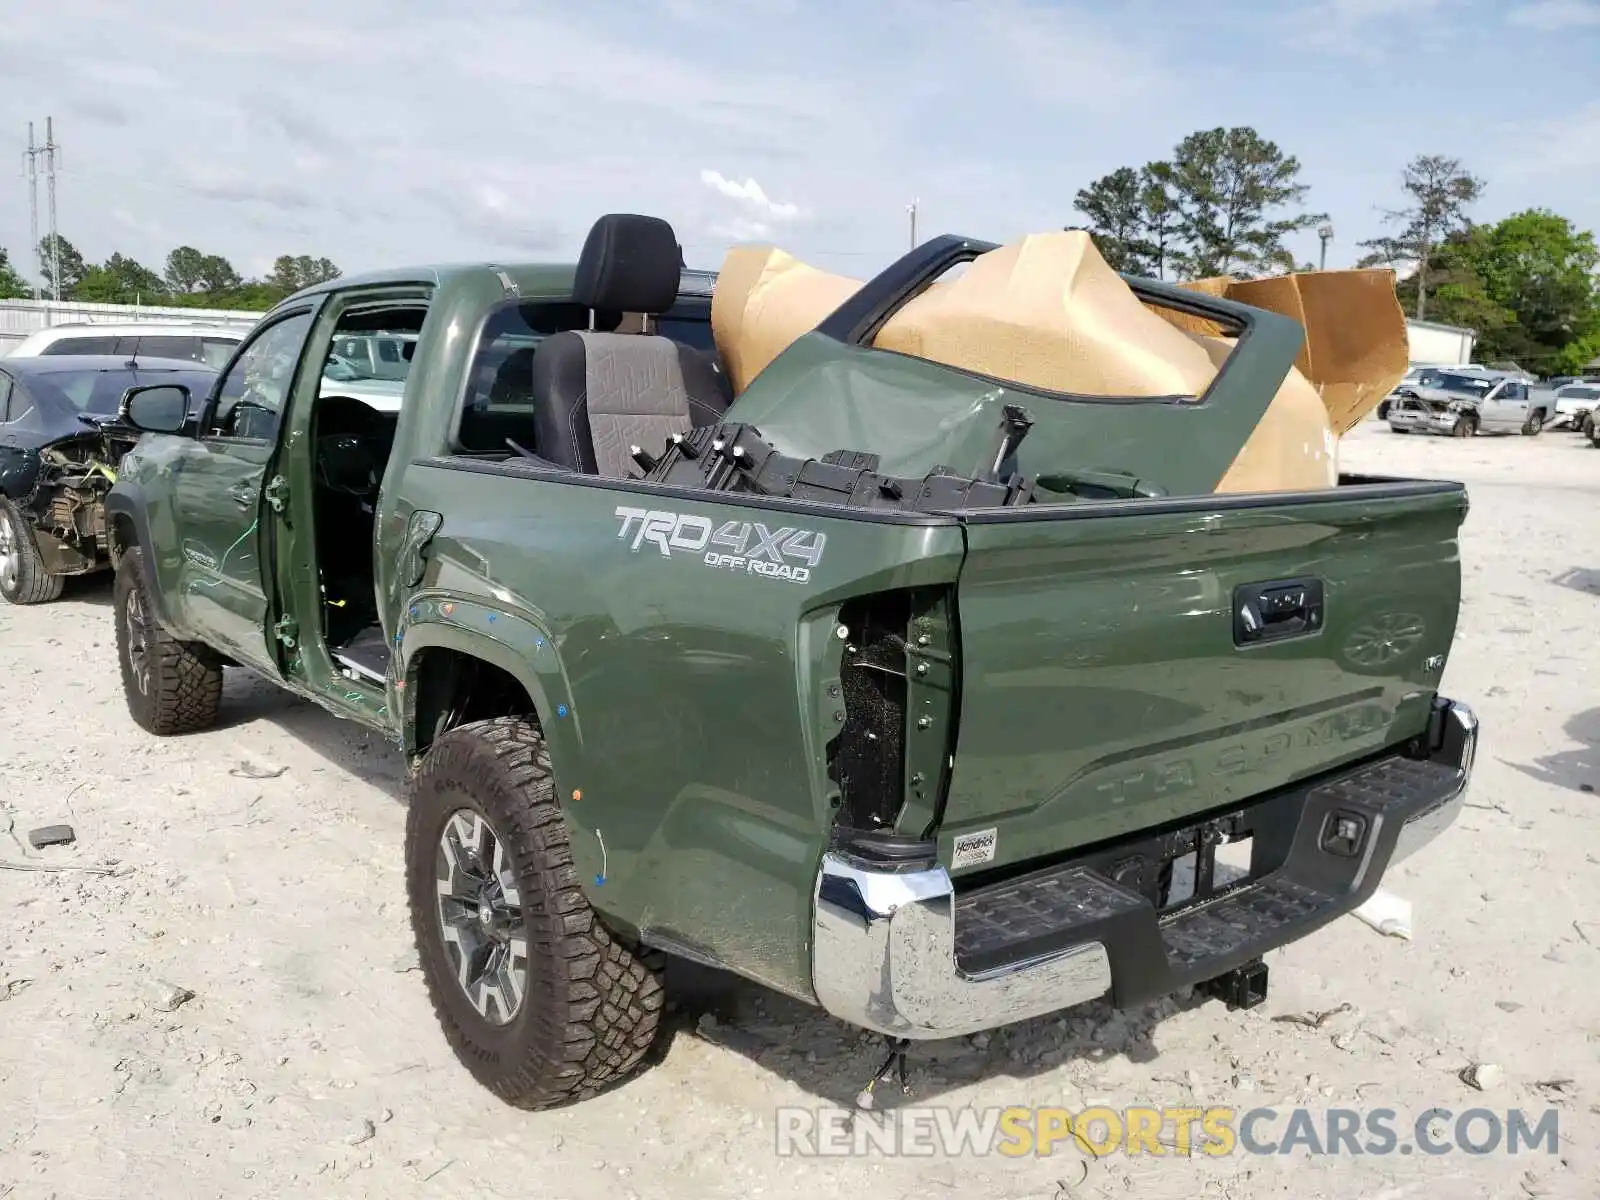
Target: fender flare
<point x="126" y="500"/>
<point x="519" y="646"/>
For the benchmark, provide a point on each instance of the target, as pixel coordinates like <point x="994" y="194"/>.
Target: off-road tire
<point x="1465" y="426"/>
<point x="31" y="584"/>
<point x="1534" y="423"/>
<point x="592" y="1005"/>
<point x="1587" y="428"/>
<point x="184" y="690"/>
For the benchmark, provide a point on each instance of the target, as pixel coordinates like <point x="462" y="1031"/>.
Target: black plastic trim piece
<point x="523" y="469"/>
<point x="882" y="848"/>
<point x="1295" y="884"/>
<point x="127" y="500"/>
<point x="1347" y="492"/>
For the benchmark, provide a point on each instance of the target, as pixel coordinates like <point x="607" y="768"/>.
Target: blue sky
<point x="384" y="131"/>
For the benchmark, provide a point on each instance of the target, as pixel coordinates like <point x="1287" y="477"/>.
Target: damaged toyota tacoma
<point x="59" y="448"/>
<point x="934" y="744"/>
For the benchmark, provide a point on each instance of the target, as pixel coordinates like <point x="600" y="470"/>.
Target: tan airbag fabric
<point x="1048" y="311"/>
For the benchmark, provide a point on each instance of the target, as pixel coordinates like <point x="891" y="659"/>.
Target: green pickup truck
<point x="935" y="701"/>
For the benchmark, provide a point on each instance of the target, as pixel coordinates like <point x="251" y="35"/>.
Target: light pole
<point x="911" y="211"/>
<point x="1325" y="234"/>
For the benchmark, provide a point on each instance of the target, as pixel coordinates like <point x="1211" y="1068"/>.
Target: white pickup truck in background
<point x="1575" y="404"/>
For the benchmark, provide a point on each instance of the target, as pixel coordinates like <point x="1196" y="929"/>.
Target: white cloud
<point x="1553" y="15"/>
<point x="1565" y="146"/>
<point x="742" y="229"/>
<point x="436" y="142"/>
<point x="1369" y="30"/>
<point x="1060" y="56"/>
<point x="750" y="193"/>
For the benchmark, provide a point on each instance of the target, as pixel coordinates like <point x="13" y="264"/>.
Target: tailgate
<point x="1127" y="665"/>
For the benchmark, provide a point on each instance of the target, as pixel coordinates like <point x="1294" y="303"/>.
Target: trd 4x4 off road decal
<point x="748" y="547"/>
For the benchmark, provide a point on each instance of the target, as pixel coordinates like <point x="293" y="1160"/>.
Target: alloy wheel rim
<point x="10" y="554"/>
<point x="138" y="643"/>
<point x="480" y="916"/>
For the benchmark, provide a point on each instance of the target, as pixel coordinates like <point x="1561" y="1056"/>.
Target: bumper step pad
<point x="1303" y="874"/>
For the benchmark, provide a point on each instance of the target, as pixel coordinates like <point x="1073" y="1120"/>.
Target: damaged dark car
<point x="60" y="444"/>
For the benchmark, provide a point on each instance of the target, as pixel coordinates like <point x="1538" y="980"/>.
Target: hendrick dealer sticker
<point x="974" y="849"/>
<point x="746" y="547"/>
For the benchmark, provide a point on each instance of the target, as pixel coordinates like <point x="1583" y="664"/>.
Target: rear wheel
<point x="23" y="578"/>
<point x="1587" y="428"/>
<point x="1466" y="425"/>
<point x="1534" y="423"/>
<point x="171" y="686"/>
<point x="536" y="997"/>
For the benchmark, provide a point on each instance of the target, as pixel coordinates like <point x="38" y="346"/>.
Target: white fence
<point x="19" y="318"/>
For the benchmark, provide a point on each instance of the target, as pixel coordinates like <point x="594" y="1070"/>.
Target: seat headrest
<point x="629" y="264"/>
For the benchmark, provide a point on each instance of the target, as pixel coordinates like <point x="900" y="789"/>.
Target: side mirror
<point x="157" y="408"/>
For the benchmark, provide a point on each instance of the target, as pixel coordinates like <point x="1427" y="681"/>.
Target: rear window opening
<point x="498" y="402"/>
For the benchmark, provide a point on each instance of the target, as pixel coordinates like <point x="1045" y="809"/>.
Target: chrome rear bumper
<point x="884" y="949"/>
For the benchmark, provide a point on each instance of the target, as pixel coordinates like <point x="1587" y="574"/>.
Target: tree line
<point x="190" y="279"/>
<point x="1227" y="200"/>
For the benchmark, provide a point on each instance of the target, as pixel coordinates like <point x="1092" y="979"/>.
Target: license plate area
<point x="1189" y="866"/>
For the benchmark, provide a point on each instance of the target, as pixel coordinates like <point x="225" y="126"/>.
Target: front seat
<point x="595" y="395"/>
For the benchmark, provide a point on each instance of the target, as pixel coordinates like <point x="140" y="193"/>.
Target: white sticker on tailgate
<point x="972" y="849"/>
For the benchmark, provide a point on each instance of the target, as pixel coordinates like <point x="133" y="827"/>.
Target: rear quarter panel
<point x="686" y="705"/>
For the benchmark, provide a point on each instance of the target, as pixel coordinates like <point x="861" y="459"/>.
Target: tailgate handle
<point x="1270" y="612"/>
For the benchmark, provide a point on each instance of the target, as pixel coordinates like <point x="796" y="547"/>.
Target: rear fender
<point x="515" y="643"/>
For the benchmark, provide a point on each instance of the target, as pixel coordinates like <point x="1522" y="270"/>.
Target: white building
<point x="1440" y="345"/>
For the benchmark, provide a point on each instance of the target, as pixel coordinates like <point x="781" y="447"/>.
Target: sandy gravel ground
<point x="259" y="868"/>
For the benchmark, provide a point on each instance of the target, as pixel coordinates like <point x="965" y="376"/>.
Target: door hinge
<point x="287" y="631"/>
<point x="276" y="493"/>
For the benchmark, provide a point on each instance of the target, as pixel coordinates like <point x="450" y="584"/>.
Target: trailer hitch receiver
<point x="1242" y="987"/>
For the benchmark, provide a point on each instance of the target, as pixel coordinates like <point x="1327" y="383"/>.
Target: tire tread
<point x="35" y="585"/>
<point x="185" y="677"/>
<point x="597" y="1005"/>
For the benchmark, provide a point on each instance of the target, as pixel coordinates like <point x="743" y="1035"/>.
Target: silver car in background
<point x="1461" y="403"/>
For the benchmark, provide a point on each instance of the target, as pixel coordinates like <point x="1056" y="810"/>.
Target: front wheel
<point x="171" y="686"/>
<point x="23" y="578"/>
<point x="1587" y="428"/>
<point x="1465" y="426"/>
<point x="536" y="997"/>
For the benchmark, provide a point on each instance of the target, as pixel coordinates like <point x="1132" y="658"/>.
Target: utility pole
<point x="50" y="149"/>
<point x="33" y="209"/>
<point x="1324" y="234"/>
<point x="911" y="210"/>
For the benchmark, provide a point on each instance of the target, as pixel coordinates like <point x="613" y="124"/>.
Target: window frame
<point x="453" y="445"/>
<point x="65" y="346"/>
<point x="208" y="411"/>
<point x="194" y="338"/>
<point x="684" y="309"/>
